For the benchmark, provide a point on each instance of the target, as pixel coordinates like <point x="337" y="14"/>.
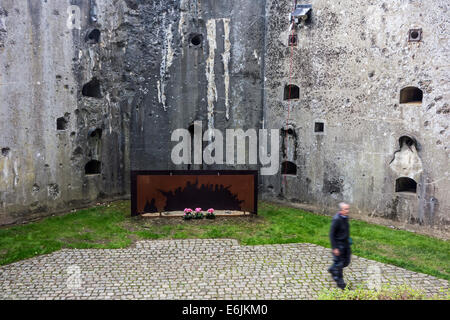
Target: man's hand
<point x="336" y="252"/>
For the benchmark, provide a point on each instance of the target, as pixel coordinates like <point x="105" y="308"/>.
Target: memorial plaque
<point x="165" y="191"/>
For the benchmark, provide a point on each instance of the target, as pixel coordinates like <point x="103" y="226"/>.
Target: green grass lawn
<point x="112" y="227"/>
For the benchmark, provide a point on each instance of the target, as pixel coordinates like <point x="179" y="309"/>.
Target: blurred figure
<point x="340" y="244"/>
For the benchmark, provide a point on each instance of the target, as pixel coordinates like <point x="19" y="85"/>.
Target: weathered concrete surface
<point x="217" y="80"/>
<point x="204" y="269"/>
<point x="161" y="65"/>
<point x="43" y="67"/>
<point x="351" y="62"/>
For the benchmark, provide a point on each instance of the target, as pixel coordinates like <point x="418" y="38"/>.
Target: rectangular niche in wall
<point x="405" y="184"/>
<point x="173" y="191"/>
<point x="319" y="127"/>
<point x="292" y="42"/>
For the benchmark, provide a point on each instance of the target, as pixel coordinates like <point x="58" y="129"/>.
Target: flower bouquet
<point x="198" y="213"/>
<point x="210" y="214"/>
<point x="187" y="214"/>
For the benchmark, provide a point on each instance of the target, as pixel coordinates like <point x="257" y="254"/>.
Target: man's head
<point x="344" y="208"/>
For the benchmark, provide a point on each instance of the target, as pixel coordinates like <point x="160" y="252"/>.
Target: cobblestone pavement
<point x="193" y="269"/>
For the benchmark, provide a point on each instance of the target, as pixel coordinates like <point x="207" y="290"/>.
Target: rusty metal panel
<point x="161" y="191"/>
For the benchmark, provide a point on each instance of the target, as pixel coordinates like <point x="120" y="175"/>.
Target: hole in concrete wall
<point x="92" y="89"/>
<point x="53" y="191"/>
<point x="415" y="35"/>
<point x="411" y="95"/>
<point x="6" y="151"/>
<point x="291" y="91"/>
<point x="93" y="36"/>
<point x="35" y="189"/>
<point x="196" y="39"/>
<point x="292" y="40"/>
<point x="319" y="127"/>
<point x="408" y="141"/>
<point x="61" y="123"/>
<point x="288" y="167"/>
<point x="95" y="133"/>
<point x="289" y="131"/>
<point x="405" y="184"/>
<point x="93" y="167"/>
<point x="289" y="142"/>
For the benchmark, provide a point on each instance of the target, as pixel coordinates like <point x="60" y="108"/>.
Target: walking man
<point x="340" y="244"/>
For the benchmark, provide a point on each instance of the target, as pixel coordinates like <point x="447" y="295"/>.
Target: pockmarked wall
<point x="91" y="89"/>
<point x="194" y="65"/>
<point x="352" y="138"/>
<point x="64" y="113"/>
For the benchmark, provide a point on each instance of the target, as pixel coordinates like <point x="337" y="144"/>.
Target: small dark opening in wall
<point x="414" y="35"/>
<point x="5" y="151"/>
<point x="93" y="167"/>
<point x="291" y="91"/>
<point x="319" y="126"/>
<point x="411" y="95"/>
<point x="289" y="131"/>
<point x="93" y="36"/>
<point x="405" y="140"/>
<point x="95" y="133"/>
<point x="196" y="39"/>
<point x="61" y="123"/>
<point x="405" y="184"/>
<point x="292" y="41"/>
<point x="288" y="167"/>
<point x="92" y="89"/>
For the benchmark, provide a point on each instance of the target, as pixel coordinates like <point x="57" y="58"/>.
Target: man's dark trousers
<point x="340" y="262"/>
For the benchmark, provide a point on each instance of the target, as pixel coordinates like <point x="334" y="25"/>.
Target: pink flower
<point x="198" y="209"/>
<point x="211" y="210"/>
<point x="187" y="210"/>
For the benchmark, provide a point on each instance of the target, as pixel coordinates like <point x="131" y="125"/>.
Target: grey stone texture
<point x="44" y="65"/>
<point x="351" y="62"/>
<point x="163" y="64"/>
<point x="196" y="269"/>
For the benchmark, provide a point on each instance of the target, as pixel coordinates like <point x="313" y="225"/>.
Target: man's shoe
<point x="341" y="284"/>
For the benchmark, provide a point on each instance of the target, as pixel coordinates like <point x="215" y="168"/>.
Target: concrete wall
<point x="43" y="67"/>
<point x="162" y="65"/>
<point x="351" y="62"/>
<point x="176" y="82"/>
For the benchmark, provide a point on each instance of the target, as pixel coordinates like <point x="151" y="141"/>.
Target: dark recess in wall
<point x="288" y="167"/>
<point x="5" y="151"/>
<point x="291" y="91"/>
<point x="93" y="36"/>
<point x="92" y="89"/>
<point x="411" y="95"/>
<point x="405" y="184"/>
<point x="319" y="127"/>
<point x="93" y="167"/>
<point x="61" y="123"/>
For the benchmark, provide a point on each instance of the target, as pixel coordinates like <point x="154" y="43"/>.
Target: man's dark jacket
<point x="339" y="232"/>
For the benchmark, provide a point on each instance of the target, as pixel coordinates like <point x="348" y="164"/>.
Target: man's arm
<point x="333" y="229"/>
